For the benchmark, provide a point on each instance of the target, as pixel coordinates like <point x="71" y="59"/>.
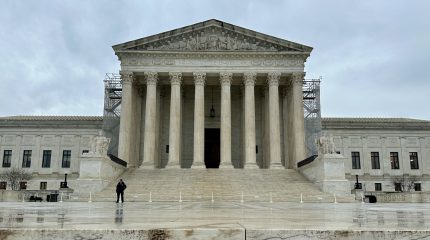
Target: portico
<point x="171" y="81"/>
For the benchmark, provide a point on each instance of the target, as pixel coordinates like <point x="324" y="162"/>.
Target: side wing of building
<point x="383" y="152"/>
<point x="47" y="147"/>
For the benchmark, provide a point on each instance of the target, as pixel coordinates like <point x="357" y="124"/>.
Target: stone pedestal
<point x="328" y="173"/>
<point x="96" y="172"/>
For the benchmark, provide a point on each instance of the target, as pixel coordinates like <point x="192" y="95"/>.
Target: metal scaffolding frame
<point x="312" y="114"/>
<point x="112" y="112"/>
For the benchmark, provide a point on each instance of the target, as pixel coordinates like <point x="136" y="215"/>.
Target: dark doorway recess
<point x="212" y="147"/>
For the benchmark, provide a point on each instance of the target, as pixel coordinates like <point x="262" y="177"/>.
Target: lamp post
<point x="65" y="180"/>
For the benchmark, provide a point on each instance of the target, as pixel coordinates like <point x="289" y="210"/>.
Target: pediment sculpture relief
<point x="212" y="39"/>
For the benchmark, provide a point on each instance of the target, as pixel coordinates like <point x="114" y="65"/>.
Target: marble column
<point x="274" y="130"/>
<point x="225" y="80"/>
<point x="297" y="149"/>
<point x="199" y="120"/>
<point x="125" y="126"/>
<point x="175" y="120"/>
<point x="150" y="119"/>
<point x="249" y="119"/>
<point x="287" y="163"/>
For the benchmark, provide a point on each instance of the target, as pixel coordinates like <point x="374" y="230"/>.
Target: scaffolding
<point x="312" y="114"/>
<point x="112" y="112"/>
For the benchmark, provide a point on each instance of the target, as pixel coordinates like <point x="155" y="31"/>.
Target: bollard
<point x="61" y="197"/>
<point x="150" y="197"/>
<point x="271" y="200"/>
<point x="212" y="197"/>
<point x="335" y="200"/>
<point x="362" y="199"/>
<point x="90" y="200"/>
<point x="180" y="196"/>
<point x="241" y="200"/>
<point x="301" y="197"/>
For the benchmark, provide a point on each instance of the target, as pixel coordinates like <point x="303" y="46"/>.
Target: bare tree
<point x="407" y="183"/>
<point x="14" y="176"/>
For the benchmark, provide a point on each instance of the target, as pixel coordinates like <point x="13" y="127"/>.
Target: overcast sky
<point x="373" y="56"/>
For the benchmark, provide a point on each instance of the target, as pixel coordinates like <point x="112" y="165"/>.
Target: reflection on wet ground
<point x="99" y="215"/>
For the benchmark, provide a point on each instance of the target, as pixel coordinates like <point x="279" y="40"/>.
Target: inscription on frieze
<point x="128" y="60"/>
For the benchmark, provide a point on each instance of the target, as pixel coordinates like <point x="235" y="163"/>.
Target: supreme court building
<point x="212" y="95"/>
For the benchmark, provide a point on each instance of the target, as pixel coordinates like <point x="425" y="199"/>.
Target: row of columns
<point x="295" y="119"/>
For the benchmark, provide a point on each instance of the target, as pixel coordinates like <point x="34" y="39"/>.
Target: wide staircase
<point x="228" y="185"/>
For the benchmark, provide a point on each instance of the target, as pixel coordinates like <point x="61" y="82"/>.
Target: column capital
<point x="127" y="77"/>
<point x="249" y="78"/>
<point x="225" y="78"/>
<point x="273" y="78"/>
<point x="175" y="78"/>
<point x="199" y="78"/>
<point x="151" y="78"/>
<point x="297" y="77"/>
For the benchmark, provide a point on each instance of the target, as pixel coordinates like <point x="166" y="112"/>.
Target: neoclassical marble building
<point x="212" y="94"/>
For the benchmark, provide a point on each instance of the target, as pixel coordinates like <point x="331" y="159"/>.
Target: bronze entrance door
<point x="212" y="147"/>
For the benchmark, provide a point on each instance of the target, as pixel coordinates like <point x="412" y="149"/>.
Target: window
<point x="397" y="187"/>
<point x="417" y="187"/>
<point x="22" y="185"/>
<point x="43" y="185"/>
<point x="378" y="187"/>
<point x="3" y="185"/>
<point x="394" y="159"/>
<point x="46" y="160"/>
<point x="26" y="159"/>
<point x="66" y="158"/>
<point x="337" y="152"/>
<point x="85" y="151"/>
<point x="355" y="160"/>
<point x="7" y="157"/>
<point x="374" y="157"/>
<point x="413" y="157"/>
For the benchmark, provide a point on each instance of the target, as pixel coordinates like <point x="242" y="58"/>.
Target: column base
<point x="276" y="166"/>
<point x="176" y="166"/>
<point x="198" y="166"/>
<point x="226" y="166"/>
<point x="251" y="166"/>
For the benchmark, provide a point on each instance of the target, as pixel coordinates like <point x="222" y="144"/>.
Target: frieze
<point x="212" y="39"/>
<point x="129" y="59"/>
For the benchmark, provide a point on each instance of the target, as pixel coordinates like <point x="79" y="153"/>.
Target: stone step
<point x="280" y="185"/>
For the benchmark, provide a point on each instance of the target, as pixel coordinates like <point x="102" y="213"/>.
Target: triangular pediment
<point x="211" y="35"/>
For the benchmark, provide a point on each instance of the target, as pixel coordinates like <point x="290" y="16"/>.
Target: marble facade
<point x="170" y="79"/>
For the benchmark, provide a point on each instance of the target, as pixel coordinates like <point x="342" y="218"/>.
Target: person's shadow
<point x="119" y="214"/>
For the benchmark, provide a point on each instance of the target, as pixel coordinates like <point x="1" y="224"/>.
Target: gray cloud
<point x="373" y="55"/>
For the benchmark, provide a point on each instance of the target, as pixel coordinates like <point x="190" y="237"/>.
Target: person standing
<point x="120" y="187"/>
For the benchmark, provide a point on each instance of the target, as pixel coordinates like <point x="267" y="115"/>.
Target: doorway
<point x="212" y="147"/>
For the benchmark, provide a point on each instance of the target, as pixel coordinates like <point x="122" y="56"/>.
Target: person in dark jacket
<point x="120" y="187"/>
